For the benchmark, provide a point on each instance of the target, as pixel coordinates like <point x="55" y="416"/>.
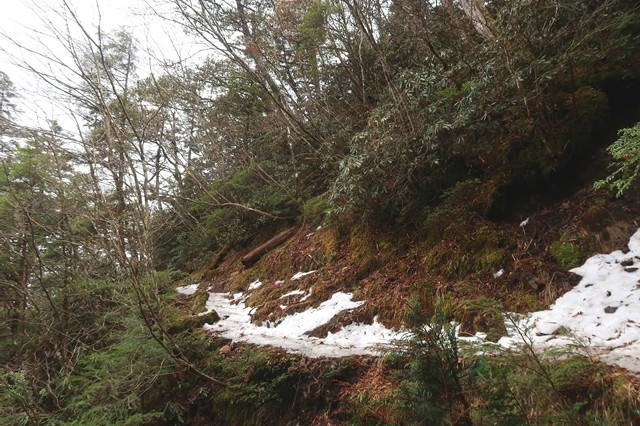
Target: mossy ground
<point x="450" y="254"/>
<point x="487" y="266"/>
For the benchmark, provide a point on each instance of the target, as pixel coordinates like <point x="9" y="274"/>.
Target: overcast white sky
<point x="23" y="21"/>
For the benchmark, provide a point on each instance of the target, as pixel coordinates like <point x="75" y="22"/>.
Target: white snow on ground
<point x="308" y="295"/>
<point x="291" y="332"/>
<point x="299" y="275"/>
<point x="255" y="285"/>
<point x="602" y="313"/>
<point x="600" y="316"/>
<point x="292" y="293"/>
<point x="188" y="290"/>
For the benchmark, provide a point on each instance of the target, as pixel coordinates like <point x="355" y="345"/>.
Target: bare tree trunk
<point x="480" y="18"/>
<point x="478" y="15"/>
<point x="23" y="287"/>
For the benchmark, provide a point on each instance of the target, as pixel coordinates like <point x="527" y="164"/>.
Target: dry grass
<point x="373" y="397"/>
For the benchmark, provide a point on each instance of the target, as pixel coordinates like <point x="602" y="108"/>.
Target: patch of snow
<point x="308" y="295"/>
<point x="367" y="339"/>
<point x="499" y="273"/>
<point x="278" y="282"/>
<point x="187" y="290"/>
<point x="255" y="285"/>
<point x="299" y="275"/>
<point x="310" y="319"/>
<point x="601" y="314"/>
<point x="291" y="332"/>
<point x="292" y="293"/>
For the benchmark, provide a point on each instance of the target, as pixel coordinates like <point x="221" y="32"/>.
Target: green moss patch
<point x="566" y="252"/>
<point x="200" y="298"/>
<point x="479" y="314"/>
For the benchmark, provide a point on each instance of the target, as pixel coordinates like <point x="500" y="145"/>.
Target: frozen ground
<point x="600" y="316"/>
<point x="291" y="332"/>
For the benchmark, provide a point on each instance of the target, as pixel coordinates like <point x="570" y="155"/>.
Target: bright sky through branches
<point x="25" y="23"/>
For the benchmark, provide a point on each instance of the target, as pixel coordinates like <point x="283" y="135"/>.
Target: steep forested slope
<point x="436" y="160"/>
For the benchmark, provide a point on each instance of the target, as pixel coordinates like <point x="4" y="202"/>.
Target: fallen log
<point x="254" y="255"/>
<point x="217" y="259"/>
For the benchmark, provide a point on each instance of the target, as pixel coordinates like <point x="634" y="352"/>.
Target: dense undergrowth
<point x="437" y="385"/>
